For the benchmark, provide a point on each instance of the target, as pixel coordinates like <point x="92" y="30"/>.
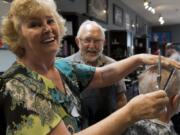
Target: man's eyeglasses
<point x="87" y="41"/>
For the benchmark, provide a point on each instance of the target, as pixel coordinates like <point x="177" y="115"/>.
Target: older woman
<point x="39" y="97"/>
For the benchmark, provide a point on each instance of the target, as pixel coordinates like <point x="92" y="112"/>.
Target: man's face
<point x="91" y="43"/>
<point x="169" y="52"/>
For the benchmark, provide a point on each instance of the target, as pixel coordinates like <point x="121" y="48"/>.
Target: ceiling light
<point x="146" y="3"/>
<point x="153" y="11"/>
<point x="146" y="7"/>
<point x="150" y="8"/>
<point x="104" y="11"/>
<point x="161" y="20"/>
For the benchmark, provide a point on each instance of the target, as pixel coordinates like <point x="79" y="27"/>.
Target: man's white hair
<point x="89" y="22"/>
<point x="148" y="81"/>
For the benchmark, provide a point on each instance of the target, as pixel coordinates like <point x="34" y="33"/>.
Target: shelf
<point x="116" y="45"/>
<point x="73" y="20"/>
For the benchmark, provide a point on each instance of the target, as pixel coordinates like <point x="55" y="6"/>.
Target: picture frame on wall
<point x="69" y="26"/>
<point x="98" y="9"/>
<point x="117" y="15"/>
<point x="127" y="21"/>
<point x="137" y="24"/>
<point x="140" y="26"/>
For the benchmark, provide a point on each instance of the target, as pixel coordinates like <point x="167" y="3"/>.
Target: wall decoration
<point x="127" y="21"/>
<point x="161" y="37"/>
<point x="117" y="15"/>
<point x="69" y="26"/>
<point x="97" y="9"/>
<point x="140" y="26"/>
<point x="137" y="21"/>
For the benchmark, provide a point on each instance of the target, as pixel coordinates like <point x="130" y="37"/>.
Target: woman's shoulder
<point x="64" y="65"/>
<point x="75" y="71"/>
<point x="16" y="73"/>
<point x="11" y="71"/>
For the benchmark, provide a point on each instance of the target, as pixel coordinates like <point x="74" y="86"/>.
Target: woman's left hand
<point x="150" y="59"/>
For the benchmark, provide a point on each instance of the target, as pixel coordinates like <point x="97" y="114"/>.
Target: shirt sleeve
<point x="79" y="75"/>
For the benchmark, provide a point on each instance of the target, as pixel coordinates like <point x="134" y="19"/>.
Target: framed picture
<point x="127" y="21"/>
<point x="137" y="24"/>
<point x="98" y="9"/>
<point x="117" y="15"/>
<point x="69" y="26"/>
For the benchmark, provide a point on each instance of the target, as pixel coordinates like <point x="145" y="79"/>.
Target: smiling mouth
<point x="48" y="40"/>
<point x="92" y="52"/>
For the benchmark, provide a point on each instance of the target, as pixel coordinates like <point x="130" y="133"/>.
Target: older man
<point x="173" y="51"/>
<point x="100" y="103"/>
<point x="148" y="83"/>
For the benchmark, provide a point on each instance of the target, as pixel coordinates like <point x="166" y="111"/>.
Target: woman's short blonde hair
<point x="20" y="11"/>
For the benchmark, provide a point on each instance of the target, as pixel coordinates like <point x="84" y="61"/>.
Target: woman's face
<point x="40" y="35"/>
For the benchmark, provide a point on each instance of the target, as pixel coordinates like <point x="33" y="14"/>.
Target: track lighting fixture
<point x="148" y="7"/>
<point x="161" y="20"/>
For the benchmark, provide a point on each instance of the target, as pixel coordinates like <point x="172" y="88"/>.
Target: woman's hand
<point x="147" y="106"/>
<point x="150" y="59"/>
